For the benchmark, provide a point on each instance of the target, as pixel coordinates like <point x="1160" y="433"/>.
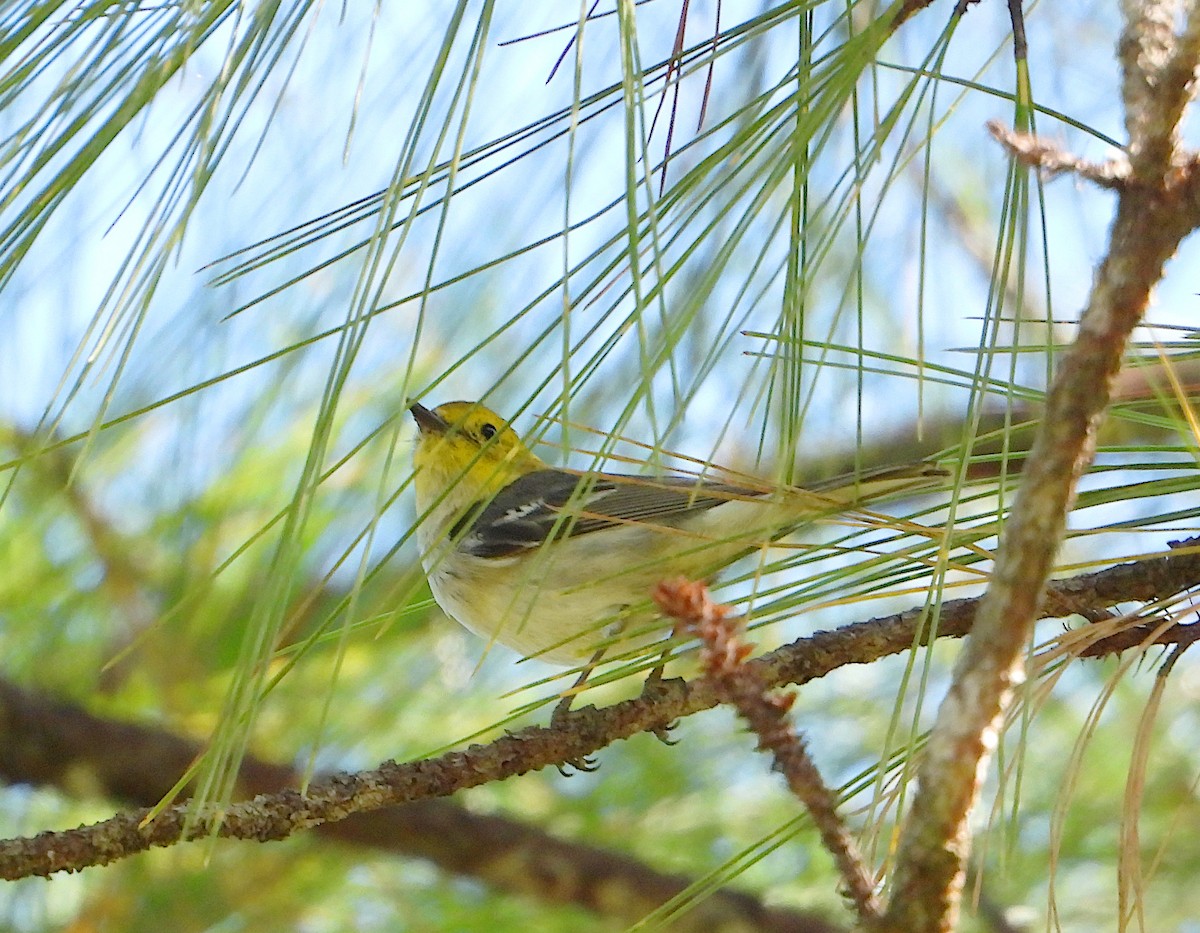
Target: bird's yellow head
<point x="467" y="453"/>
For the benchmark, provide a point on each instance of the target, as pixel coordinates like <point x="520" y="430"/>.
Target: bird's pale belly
<point x="548" y="611"/>
<point x="562" y="602"/>
<point x="559" y="604"/>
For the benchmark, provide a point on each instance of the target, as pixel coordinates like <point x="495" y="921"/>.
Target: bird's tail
<point x="853" y="489"/>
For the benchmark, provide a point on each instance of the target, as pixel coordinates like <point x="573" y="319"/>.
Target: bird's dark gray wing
<point x="556" y="504"/>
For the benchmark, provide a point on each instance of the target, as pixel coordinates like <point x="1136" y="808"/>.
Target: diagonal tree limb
<point x="1155" y="210"/>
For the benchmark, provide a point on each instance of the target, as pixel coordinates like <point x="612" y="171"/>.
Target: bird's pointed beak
<point x="428" y="421"/>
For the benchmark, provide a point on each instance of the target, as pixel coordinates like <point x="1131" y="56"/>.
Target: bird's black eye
<point x="487" y="432"/>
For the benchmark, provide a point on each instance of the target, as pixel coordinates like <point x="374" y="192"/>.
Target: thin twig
<point x="1051" y="160"/>
<point x="723" y="658"/>
<point x="1016" y="15"/>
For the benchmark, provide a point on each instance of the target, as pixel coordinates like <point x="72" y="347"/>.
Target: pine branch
<point x="276" y="815"/>
<point x="50" y="742"/>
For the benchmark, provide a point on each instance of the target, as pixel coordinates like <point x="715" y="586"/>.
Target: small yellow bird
<point x="559" y="565"/>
